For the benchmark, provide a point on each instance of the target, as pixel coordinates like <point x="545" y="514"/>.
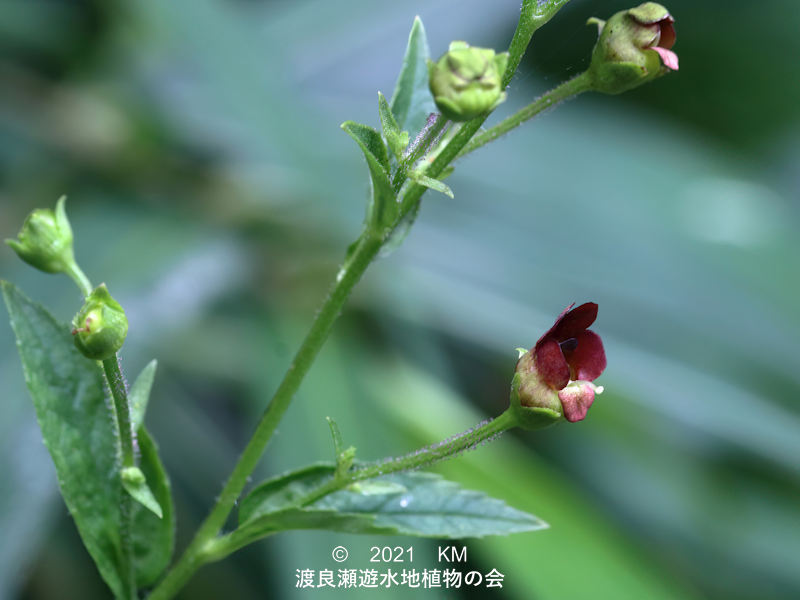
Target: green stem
<point x="204" y="546"/>
<point x="572" y="87"/>
<point x="227" y="544"/>
<point x="116" y="384"/>
<point x="449" y="448"/>
<point x="526" y="26"/>
<point x="196" y="554"/>
<point x="79" y="277"/>
<point x="420" y="147"/>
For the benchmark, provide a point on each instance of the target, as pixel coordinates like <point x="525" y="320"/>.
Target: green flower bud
<point x="633" y="48"/>
<point x="467" y="82"/>
<point x="100" y="326"/>
<point x="133" y="475"/>
<point x="45" y="240"/>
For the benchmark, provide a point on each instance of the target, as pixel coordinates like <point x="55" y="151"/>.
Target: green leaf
<point x="431" y="183"/>
<point x="419" y="504"/>
<point x="69" y="397"/>
<point x="397" y="140"/>
<point x="338" y="445"/>
<point x="280" y="492"/>
<point x="139" y="394"/>
<point x="153" y="538"/>
<point x="383" y="208"/>
<point x="401" y="231"/>
<point x="135" y="483"/>
<point x="300" y="518"/>
<point x="412" y="101"/>
<point x="370" y="142"/>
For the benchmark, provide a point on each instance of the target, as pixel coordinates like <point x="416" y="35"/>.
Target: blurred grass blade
<point x="412" y="101"/>
<point x="69" y="397"/>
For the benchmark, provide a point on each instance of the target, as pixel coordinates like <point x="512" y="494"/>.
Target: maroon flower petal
<point x="667" y="35"/>
<point x="575" y="401"/>
<point x="559" y="318"/>
<point x="574" y="322"/>
<point x="551" y="364"/>
<point x="588" y="360"/>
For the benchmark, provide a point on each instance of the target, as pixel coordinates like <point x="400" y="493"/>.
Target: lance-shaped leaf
<point x="414" y="503"/>
<point x="135" y="483"/>
<point x="383" y="208"/>
<point x="541" y="11"/>
<point x="431" y="183"/>
<point x="397" y="140"/>
<point x="77" y="427"/>
<point x="139" y="394"/>
<point x="153" y="537"/>
<point x="412" y="101"/>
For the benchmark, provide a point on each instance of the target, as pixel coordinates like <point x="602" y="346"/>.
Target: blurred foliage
<point x="210" y="186"/>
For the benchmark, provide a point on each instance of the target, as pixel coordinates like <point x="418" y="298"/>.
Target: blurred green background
<point x="210" y="187"/>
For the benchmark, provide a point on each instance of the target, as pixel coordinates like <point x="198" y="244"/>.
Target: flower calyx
<point x="634" y="47"/>
<point x="100" y="327"/>
<point x="466" y="81"/>
<point x="45" y="240"/>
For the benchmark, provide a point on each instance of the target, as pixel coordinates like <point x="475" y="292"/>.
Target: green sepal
<point x="139" y="394"/>
<point x="134" y="482"/>
<point x="100" y="327"/>
<point x="530" y="417"/>
<point x="431" y="183"/>
<point x="383" y="208"/>
<point x="396" y="139"/>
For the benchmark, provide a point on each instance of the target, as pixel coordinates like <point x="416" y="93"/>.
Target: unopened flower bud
<point x="133" y="475"/>
<point x="553" y="380"/>
<point x="45" y="240"/>
<point x="633" y="48"/>
<point x="467" y="82"/>
<point x="100" y="327"/>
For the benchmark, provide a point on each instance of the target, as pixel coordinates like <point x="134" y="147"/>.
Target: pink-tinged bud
<point x="553" y="379"/>
<point x="634" y="47"/>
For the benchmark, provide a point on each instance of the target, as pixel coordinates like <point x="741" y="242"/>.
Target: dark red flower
<point x="570" y="352"/>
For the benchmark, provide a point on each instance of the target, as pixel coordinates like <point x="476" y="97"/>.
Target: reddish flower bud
<point x="553" y="379"/>
<point x="634" y="47"/>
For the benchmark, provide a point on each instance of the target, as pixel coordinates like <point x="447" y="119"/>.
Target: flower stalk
<point x="568" y="89"/>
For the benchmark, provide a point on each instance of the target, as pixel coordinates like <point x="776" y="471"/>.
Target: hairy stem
<point x="116" y="384"/>
<point x="205" y="546"/>
<point x="467" y="440"/>
<point x="572" y="87"/>
<point x="351" y="271"/>
<point x="426" y="139"/>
